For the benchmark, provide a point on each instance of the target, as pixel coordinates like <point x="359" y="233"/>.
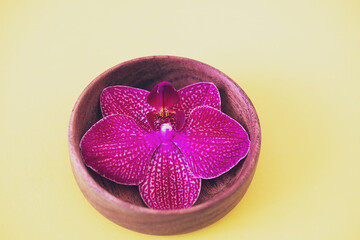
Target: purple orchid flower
<point x="165" y="141"/>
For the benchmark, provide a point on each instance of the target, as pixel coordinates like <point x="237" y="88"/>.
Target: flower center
<point x="163" y="98"/>
<point x="157" y="119"/>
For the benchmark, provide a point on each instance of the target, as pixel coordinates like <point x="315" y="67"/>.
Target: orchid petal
<point x="198" y="94"/>
<point x="163" y="95"/>
<point x="169" y="183"/>
<point x="126" y="101"/>
<point x="212" y="142"/>
<point x="117" y="148"/>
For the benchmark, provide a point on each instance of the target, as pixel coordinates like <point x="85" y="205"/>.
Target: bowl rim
<point x="77" y="162"/>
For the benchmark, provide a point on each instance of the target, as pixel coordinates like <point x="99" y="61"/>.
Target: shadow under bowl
<point x="123" y="204"/>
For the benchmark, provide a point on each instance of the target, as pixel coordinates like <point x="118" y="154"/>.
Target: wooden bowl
<point x="123" y="204"/>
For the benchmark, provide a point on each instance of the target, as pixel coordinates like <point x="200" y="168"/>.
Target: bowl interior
<point x="145" y="73"/>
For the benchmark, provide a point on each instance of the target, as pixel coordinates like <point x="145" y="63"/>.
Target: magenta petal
<point x="212" y="142"/>
<point x="127" y="101"/>
<point x="163" y="95"/>
<point x="169" y="183"/>
<point x="198" y="94"/>
<point x="118" y="149"/>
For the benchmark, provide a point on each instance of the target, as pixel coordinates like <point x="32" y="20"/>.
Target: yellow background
<point x="299" y="62"/>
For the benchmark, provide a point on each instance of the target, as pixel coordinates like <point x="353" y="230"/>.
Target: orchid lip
<point x="163" y="95"/>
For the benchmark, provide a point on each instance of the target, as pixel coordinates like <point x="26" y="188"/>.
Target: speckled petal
<point x="169" y="184"/>
<point x="163" y="95"/>
<point x="212" y="142"/>
<point x="127" y="101"/>
<point x="198" y="94"/>
<point x="118" y="149"/>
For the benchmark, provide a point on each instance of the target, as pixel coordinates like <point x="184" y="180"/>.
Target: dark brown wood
<point x="123" y="204"/>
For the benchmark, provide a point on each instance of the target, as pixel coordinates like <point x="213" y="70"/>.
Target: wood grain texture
<point x="123" y="204"/>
